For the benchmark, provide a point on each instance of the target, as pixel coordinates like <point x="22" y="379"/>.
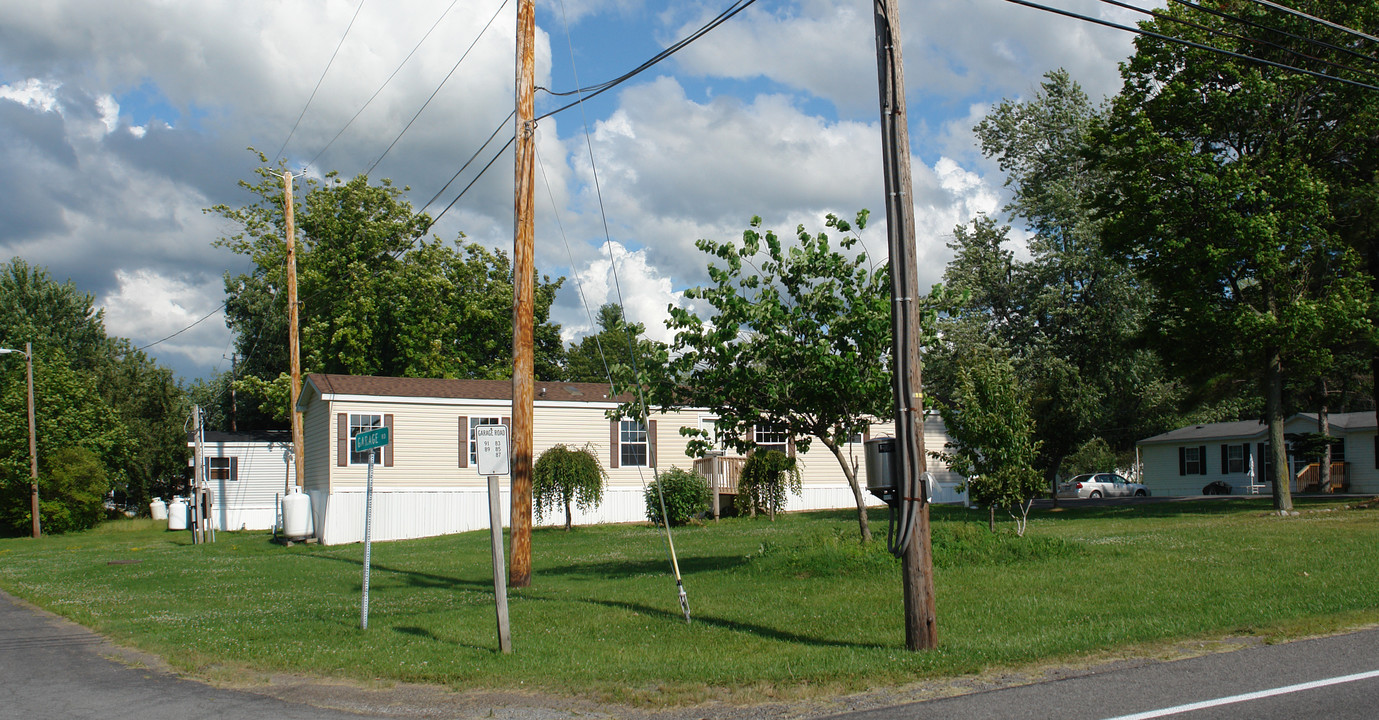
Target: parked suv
<point x="1096" y="485"/>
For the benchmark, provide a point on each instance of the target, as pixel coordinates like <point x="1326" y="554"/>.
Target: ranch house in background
<point x="426" y="481"/>
<point x="1183" y="461"/>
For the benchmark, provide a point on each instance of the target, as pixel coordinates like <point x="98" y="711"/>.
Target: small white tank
<point x="158" y="509"/>
<point x="177" y="514"/>
<point x="296" y="514"/>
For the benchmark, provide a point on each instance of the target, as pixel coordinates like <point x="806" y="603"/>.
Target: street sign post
<point x="367" y="441"/>
<point x="491" y="451"/>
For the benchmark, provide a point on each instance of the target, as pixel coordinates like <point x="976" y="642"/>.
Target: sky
<point x="121" y="123"/>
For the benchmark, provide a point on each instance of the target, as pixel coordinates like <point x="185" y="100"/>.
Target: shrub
<point x="686" y="496"/>
<point x="563" y="476"/>
<point x="71" y="494"/>
<point x="766" y="476"/>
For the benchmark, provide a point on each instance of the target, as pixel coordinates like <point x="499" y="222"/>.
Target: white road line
<point x="1248" y="696"/>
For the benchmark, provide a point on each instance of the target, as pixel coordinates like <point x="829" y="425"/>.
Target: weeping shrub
<point x="766" y="477"/>
<point x="563" y="476"/>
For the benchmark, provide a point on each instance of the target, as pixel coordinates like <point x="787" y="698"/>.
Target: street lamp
<point x="28" y="353"/>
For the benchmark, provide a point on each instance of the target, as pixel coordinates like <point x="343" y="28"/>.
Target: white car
<point x="1099" y="485"/>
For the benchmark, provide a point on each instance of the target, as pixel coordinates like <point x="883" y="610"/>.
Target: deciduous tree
<point x="797" y="337"/>
<point x="991" y="435"/>
<point x="377" y="296"/>
<point x="1216" y="193"/>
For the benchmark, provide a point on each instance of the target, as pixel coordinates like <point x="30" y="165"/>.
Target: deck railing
<point x="1308" y="479"/>
<point x="721" y="472"/>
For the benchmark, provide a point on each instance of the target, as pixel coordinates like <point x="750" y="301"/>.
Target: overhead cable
<point x="444" y="80"/>
<point x="319" y="81"/>
<point x="1189" y="43"/>
<point x="1165" y="17"/>
<point x="1267" y="28"/>
<point x="1313" y="18"/>
<point x="396" y="70"/>
<point x="593" y="91"/>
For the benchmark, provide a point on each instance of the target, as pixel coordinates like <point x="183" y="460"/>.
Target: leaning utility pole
<point x="921" y="630"/>
<point x="294" y="349"/>
<point x="523" y="300"/>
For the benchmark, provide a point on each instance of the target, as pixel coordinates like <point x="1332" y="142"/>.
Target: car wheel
<point x="1095" y="494"/>
<point x="1139" y="493"/>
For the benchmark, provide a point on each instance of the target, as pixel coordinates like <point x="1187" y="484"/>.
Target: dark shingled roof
<point x="1252" y="428"/>
<point x="457" y="389"/>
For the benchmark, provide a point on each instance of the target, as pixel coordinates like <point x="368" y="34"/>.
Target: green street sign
<point x="370" y="439"/>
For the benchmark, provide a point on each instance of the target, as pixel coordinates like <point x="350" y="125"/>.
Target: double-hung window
<point x="360" y="423"/>
<point x="1192" y="461"/>
<point x="1235" y="459"/>
<point x="632" y="444"/>
<point x="771" y="437"/>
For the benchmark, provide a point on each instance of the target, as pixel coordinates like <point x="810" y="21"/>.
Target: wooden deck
<point x="1308" y="480"/>
<point x="722" y="474"/>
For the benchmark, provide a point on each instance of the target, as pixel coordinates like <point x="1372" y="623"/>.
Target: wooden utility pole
<point x="234" y="402"/>
<point x="33" y="442"/>
<point x="921" y="630"/>
<point x="294" y="349"/>
<point x="523" y="299"/>
<point x="198" y="475"/>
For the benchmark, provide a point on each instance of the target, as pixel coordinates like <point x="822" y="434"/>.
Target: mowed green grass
<point x="780" y="609"/>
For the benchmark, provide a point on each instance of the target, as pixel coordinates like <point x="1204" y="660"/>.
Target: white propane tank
<point x="177" y="514"/>
<point x="158" y="509"/>
<point x="296" y="514"/>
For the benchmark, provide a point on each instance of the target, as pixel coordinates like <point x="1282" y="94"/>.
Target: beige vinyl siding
<point x="425" y="445"/>
<point x="317" y="447"/>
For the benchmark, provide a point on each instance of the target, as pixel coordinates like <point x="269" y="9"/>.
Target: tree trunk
<point x="1273" y="409"/>
<point x="567" y="515"/>
<point x="991" y="518"/>
<point x="850" y="473"/>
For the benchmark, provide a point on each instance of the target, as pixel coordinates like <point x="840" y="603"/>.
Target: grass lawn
<point x="780" y="609"/>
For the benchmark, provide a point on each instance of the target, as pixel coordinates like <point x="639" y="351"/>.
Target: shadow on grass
<point x="732" y="625"/>
<point x="614" y="569"/>
<point x="1164" y="508"/>
<point x="427" y="634"/>
<point x="414" y="578"/>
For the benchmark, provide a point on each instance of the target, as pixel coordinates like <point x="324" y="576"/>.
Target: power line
<point x="1189" y="43"/>
<point x="1313" y="18"/>
<point x="189" y="327"/>
<point x="1256" y="41"/>
<point x="437" y="90"/>
<point x="321" y="80"/>
<point x="385" y="82"/>
<point x="722" y="17"/>
<point x="596" y="90"/>
<point x="1260" y="26"/>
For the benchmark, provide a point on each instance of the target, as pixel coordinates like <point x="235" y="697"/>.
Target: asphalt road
<point x="1305" y="679"/>
<point x="54" y="669"/>
<point x="51" y="668"/>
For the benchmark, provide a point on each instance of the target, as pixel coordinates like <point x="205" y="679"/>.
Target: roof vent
<point x="573" y="390"/>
